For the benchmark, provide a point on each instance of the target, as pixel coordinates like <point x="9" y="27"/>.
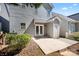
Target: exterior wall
<point x="77" y="27"/>
<point x="42" y="13"/>
<point x="50" y="29"/>
<point x="45" y="29"/>
<point x="66" y="28"/>
<point x="4" y="13"/>
<point x="20" y="15"/>
<point x="21" y="11"/>
<point x="4" y="24"/>
<point x="15" y="24"/>
<point x="63" y="28"/>
<point x="71" y="27"/>
<point x="31" y="29"/>
<point x="64" y="24"/>
<point x="15" y="15"/>
<point x="23" y="15"/>
<point x="0" y="27"/>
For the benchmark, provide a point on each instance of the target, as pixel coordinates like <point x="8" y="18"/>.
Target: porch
<point x="50" y="45"/>
<point x="47" y="28"/>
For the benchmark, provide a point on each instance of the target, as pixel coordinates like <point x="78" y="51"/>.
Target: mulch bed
<point x="32" y="49"/>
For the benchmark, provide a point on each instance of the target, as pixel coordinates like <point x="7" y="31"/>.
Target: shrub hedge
<point x="17" y="38"/>
<point x="16" y="42"/>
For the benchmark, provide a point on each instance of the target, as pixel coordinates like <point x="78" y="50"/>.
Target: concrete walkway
<point x="49" y="45"/>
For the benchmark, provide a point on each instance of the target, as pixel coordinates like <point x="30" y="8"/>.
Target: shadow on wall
<point x="4" y="24"/>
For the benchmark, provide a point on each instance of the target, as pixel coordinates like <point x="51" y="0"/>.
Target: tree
<point x="36" y="5"/>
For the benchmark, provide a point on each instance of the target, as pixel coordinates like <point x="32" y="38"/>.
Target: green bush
<point x="23" y="39"/>
<point x="74" y="36"/>
<point x="20" y="39"/>
<point x="17" y="39"/>
<point x="11" y="38"/>
<point x="16" y="42"/>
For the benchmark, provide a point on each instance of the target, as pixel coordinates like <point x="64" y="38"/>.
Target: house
<point x="75" y="17"/>
<point x="36" y="22"/>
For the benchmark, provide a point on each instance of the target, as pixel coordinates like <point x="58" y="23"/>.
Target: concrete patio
<point x="49" y="45"/>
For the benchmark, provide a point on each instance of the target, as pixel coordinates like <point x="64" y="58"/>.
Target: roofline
<point x="51" y="5"/>
<point x="73" y="14"/>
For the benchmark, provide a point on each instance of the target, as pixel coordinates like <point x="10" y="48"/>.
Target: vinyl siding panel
<point x="31" y="29"/>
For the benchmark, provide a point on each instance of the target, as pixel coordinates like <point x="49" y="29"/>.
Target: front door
<point x="39" y="30"/>
<point x="56" y="29"/>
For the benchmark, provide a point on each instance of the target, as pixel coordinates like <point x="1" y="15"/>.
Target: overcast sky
<point x="66" y="8"/>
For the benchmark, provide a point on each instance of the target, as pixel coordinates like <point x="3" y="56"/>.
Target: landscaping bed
<point x="74" y="36"/>
<point x="32" y="49"/>
<point x="15" y="42"/>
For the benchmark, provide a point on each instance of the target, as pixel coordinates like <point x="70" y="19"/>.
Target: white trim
<point x="39" y="29"/>
<point x="57" y="18"/>
<point x="52" y="19"/>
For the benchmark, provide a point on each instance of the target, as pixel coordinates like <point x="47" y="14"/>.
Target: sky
<point x="66" y="9"/>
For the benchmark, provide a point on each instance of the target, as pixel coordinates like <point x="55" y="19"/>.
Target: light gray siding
<point x="45" y="29"/>
<point x="50" y="29"/>
<point x="63" y="27"/>
<point x="77" y="27"/>
<point x="31" y="29"/>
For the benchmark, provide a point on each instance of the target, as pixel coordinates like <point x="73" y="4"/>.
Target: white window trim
<point x="39" y="30"/>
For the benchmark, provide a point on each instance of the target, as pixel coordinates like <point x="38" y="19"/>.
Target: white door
<point x="39" y="30"/>
<point x="56" y="29"/>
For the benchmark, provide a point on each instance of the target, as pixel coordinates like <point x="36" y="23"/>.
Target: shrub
<point x="17" y="42"/>
<point x="74" y="36"/>
<point x="11" y="38"/>
<point x="23" y="39"/>
<point x="17" y="39"/>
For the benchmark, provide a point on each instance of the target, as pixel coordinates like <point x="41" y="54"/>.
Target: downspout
<point x="8" y="16"/>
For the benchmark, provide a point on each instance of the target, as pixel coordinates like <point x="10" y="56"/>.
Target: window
<point x="37" y="29"/>
<point x="41" y="28"/>
<point x="23" y="25"/>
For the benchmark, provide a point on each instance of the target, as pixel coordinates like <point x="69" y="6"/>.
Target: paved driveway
<point x="49" y="45"/>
